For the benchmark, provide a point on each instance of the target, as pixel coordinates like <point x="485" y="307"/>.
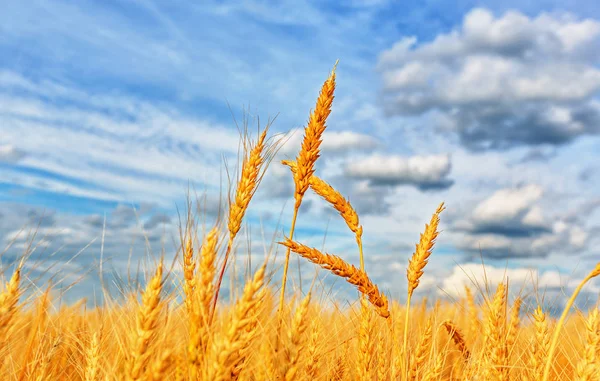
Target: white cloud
<point x="501" y="81"/>
<point x="509" y="204"/>
<point x="477" y="276"/>
<point x="421" y="171"/>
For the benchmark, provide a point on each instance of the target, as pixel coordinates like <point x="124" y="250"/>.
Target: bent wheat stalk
<point x="561" y="321"/>
<point x="339" y="203"/>
<point x="345" y="270"/>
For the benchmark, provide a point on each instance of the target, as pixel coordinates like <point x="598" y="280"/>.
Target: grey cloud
<point x="43" y="218"/>
<point x="588" y="173"/>
<point x="538" y="154"/>
<point x="156" y="220"/>
<point x="10" y="154"/>
<point x="512" y="224"/>
<point x="423" y="172"/>
<point x="502" y="82"/>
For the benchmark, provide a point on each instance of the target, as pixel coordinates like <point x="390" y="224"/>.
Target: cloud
<point x="156" y="220"/>
<point x="105" y="147"/>
<point x="511" y="223"/>
<point x="500" y="82"/>
<point x="10" y="154"/>
<point x="422" y="172"/>
<point x="477" y="276"/>
<point x="538" y="154"/>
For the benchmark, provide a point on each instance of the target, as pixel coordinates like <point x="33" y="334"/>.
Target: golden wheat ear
<point x="345" y="270"/>
<point x="306" y="159"/>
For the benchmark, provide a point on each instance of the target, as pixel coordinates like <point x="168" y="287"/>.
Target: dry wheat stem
<point x="365" y="343"/>
<point x="594" y="273"/>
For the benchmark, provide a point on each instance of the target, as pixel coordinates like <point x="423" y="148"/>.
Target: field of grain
<point x="190" y="334"/>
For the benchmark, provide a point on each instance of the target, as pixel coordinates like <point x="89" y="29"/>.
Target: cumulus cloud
<point x="422" y="172"/>
<point x="512" y="223"/>
<point x="501" y="82"/>
<point x="477" y="276"/>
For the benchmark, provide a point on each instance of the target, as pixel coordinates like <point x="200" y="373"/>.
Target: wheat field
<point x="188" y="333"/>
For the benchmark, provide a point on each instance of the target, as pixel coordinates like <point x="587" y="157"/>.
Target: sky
<point x="112" y="113"/>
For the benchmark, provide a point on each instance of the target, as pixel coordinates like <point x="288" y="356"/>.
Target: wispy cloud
<point x="109" y="107"/>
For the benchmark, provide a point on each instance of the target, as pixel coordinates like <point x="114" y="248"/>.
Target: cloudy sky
<point x="111" y="111"/>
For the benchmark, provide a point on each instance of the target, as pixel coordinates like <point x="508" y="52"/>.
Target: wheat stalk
<point x="417" y="263"/>
<point x="340" y="268"/>
<point x="306" y="159"/>
<point x="594" y="273"/>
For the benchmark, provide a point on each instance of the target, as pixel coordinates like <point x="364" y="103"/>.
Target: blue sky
<point x="112" y="109"/>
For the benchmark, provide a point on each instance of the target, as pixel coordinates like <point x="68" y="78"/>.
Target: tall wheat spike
<point x="201" y="303"/>
<point x="226" y="347"/>
<point x="146" y="326"/>
<point x="587" y="367"/>
<point x="247" y="185"/>
<point x="417" y="263"/>
<point x="306" y="159"/>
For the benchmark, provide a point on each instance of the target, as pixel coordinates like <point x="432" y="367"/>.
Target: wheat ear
<point x="147" y="320"/>
<point x="540" y="346"/>
<point x="340" y="268"/>
<point x="308" y="155"/>
<point x="458" y="338"/>
<point x="587" y="367"/>
<point x="417" y="263"/>
<point x="494" y="349"/>
<point x="227" y="347"/>
<point x="92" y="355"/>
<point x="296" y="347"/>
<point x="422" y="351"/>
<point x="9" y="297"/>
<point x="247" y="185"/>
<point x="199" y="328"/>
